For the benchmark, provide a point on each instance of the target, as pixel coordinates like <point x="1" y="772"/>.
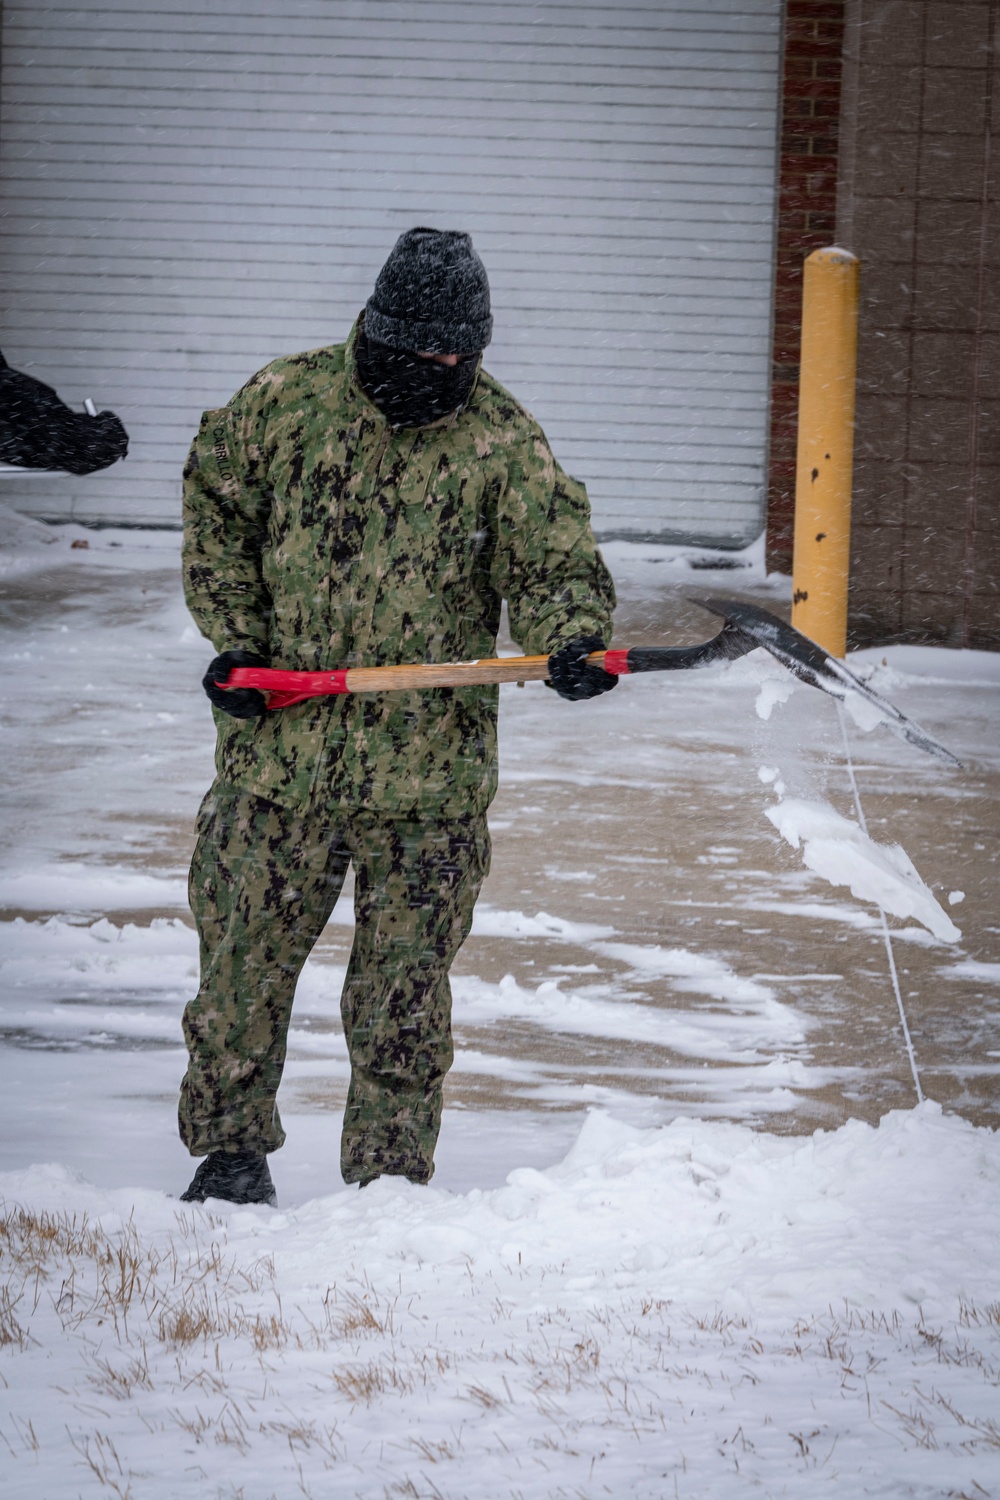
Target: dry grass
<point x="176" y="1333"/>
<point x="206" y="1316"/>
<point x="30" y="1240"/>
<point x="99" y="1279"/>
<point x="362" y="1383"/>
<point x="99" y="1454"/>
<point x="351" y="1315"/>
<point x="971" y="1316"/>
<point x="120" y="1381"/>
<point x="488" y="1400"/>
<point x="11" y="1331"/>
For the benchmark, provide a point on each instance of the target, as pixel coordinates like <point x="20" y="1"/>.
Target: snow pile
<point x="73" y="885"/>
<point x="842" y="853"/>
<point x="19" y="533"/>
<point x="690" y="1310"/>
<point x="894" y="668"/>
<point x="650" y="566"/>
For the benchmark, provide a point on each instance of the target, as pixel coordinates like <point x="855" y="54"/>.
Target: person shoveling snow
<point x="355" y="507"/>
<point x="365" y="502"/>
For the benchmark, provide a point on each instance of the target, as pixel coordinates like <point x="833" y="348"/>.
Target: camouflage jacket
<point x="321" y="537"/>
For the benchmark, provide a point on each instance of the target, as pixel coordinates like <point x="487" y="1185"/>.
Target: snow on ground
<point x="696" y="1310"/>
<point x="615" y="1288"/>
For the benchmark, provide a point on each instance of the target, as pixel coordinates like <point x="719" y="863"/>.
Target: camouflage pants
<point x="264" y="881"/>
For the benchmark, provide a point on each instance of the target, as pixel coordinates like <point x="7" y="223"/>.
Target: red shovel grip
<point x="285" y="688"/>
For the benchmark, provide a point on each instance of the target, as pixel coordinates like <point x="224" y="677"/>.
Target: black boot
<point x="233" y="1176"/>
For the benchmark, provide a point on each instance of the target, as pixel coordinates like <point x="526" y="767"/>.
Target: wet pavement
<point x="636" y="878"/>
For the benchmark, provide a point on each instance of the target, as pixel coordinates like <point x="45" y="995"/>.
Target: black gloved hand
<point x="240" y="703"/>
<point x="570" y="675"/>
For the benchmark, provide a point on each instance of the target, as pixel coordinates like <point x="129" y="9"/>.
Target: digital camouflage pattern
<point x="320" y="537"/>
<point x="263" y="884"/>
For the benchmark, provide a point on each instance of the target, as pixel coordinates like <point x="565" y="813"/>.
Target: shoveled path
<point x="635" y="824"/>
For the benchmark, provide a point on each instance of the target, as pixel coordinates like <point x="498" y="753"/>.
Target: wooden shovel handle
<point x="454" y="674"/>
<point x="285" y="688"/>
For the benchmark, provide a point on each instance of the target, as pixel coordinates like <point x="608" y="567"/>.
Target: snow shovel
<point x="746" y="627"/>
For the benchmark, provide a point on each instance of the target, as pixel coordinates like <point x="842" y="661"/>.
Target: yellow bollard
<point x="825" y="458"/>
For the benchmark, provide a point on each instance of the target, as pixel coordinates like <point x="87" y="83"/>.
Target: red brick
<point x="814" y="31"/>
<point x="794" y="200"/>
<point x="794" y="247"/>
<point x="805" y="124"/>
<point x="789" y="276"/>
<point x="826" y="115"/>
<point x="831" y="10"/>
<point x="808" y="39"/>
<point x="801" y="174"/>
<point x="799" y="143"/>
<point x="823" y="181"/>
<point x="799" y="191"/>
<point x="789" y="303"/>
<point x="800" y="31"/>
<point x="811" y="88"/>
<point x="818" y="56"/>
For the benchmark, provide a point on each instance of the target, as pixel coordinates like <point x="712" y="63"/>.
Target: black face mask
<point x="410" y="391"/>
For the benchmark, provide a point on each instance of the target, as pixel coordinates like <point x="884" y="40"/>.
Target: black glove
<point x="240" y="703"/>
<point x="570" y="675"/>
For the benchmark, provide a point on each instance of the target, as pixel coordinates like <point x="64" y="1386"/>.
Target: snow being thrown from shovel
<point x="840" y="852"/>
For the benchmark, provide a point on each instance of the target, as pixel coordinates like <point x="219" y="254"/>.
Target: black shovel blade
<point x="810" y="663"/>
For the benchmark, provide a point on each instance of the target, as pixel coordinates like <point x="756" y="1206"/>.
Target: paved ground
<point x="636" y="823"/>
<point x="668" y="852"/>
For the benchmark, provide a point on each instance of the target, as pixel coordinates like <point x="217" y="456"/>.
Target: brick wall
<point x="919" y="205"/>
<point x="807" y="203"/>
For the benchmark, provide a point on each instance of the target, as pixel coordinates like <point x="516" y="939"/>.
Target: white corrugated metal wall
<point x="192" y="187"/>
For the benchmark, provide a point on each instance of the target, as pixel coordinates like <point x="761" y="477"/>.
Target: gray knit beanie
<point x="431" y="295"/>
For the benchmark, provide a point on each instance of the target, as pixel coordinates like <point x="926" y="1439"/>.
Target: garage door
<point x="191" y="190"/>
